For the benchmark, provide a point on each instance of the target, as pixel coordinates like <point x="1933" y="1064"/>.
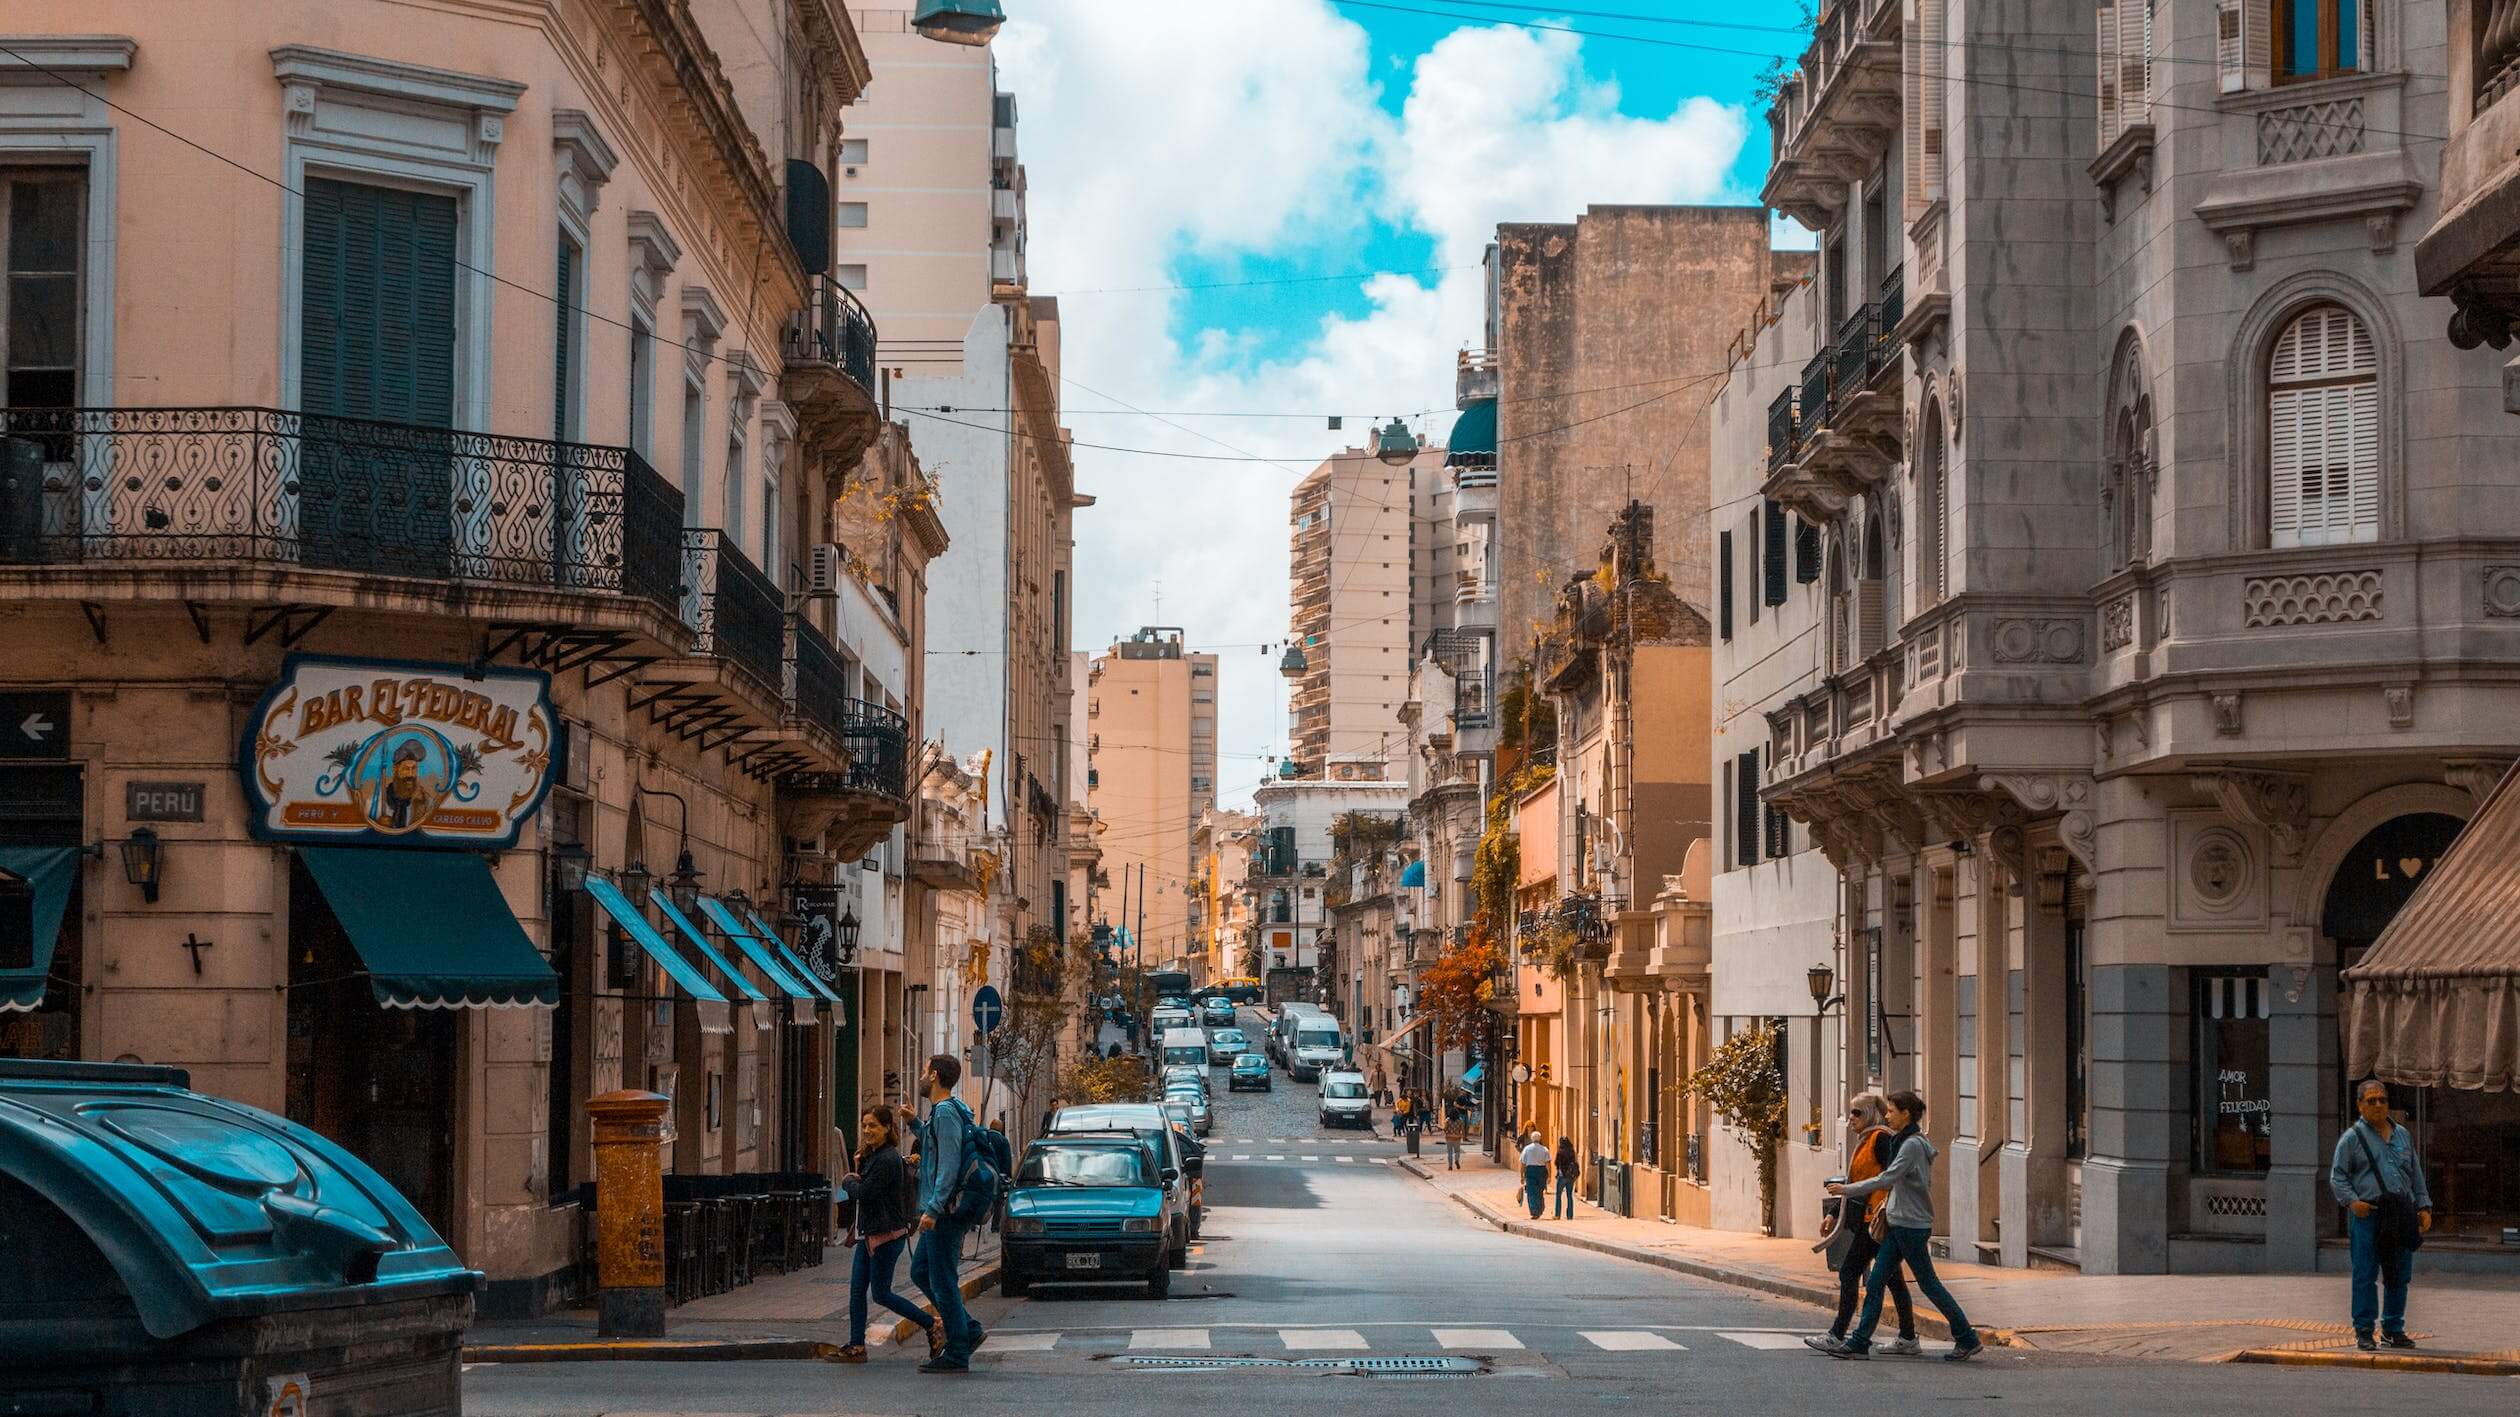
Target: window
<point x="2126" y="495"/>
<point x="2317" y="39"/>
<point x="642" y="386"/>
<point x="2233" y="1100"/>
<point x="1806" y="551"/>
<point x="39" y="303"/>
<point x="2323" y="432"/>
<point x="1746" y="809"/>
<point x="694" y="434"/>
<point x="852" y="152"/>
<point x="1724" y="581"/>
<point x="1933" y="519"/>
<point x="853" y="216"/>
<point x="567" y="364"/>
<point x="852" y="276"/>
<point x="1772" y="553"/>
<point x="736" y="491"/>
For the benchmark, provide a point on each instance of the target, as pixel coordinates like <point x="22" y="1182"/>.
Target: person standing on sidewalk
<point x="1568" y="1168"/>
<point x="1868" y="1155"/>
<point x="881" y="1188"/>
<point x="1535" y="1165"/>
<point x="1909" y="1180"/>
<point x="1456" y="1131"/>
<point x="936" y="1267"/>
<point x="2376" y="1175"/>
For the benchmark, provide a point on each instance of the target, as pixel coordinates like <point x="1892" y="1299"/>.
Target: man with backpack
<point x="958" y="1188"/>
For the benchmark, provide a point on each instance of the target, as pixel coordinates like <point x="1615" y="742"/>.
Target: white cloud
<point x="1152" y="130"/>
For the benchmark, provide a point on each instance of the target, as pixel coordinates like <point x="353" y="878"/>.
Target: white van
<point x="1281" y="1043"/>
<point x="1317" y="1048"/>
<point x="1186" y="1047"/>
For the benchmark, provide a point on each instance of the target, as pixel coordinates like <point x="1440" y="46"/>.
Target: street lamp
<point x="971" y="22"/>
<point x="1820" y="978"/>
<point x="569" y="863"/>
<point x="1394" y="446"/>
<point x="144" y="857"/>
<point x="683" y="887"/>
<point x="845" y="942"/>
<point x="1292" y="665"/>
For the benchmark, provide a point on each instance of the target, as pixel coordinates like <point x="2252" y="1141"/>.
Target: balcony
<point x="730" y="691"/>
<point x="567" y="547"/>
<point x="829" y="374"/>
<point x="2472" y="253"/>
<point x="1475" y="377"/>
<point x="1474" y="494"/>
<point x="1834" y="118"/>
<point x="947" y="859"/>
<point x="1784" y="427"/>
<point x="1841" y="431"/>
<point x="858" y="806"/>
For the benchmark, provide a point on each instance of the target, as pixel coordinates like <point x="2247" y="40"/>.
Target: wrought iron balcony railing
<point x="817" y="683"/>
<point x="835" y="329"/>
<point x="1811" y="407"/>
<point x="1783" y="432"/>
<point x="132" y="487"/>
<point x="1855" y="355"/>
<point x="732" y="608"/>
<point x="1893" y="301"/>
<point x="878" y="740"/>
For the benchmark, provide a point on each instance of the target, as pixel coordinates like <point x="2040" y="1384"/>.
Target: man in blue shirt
<point x="936" y="1266"/>
<point x="2375" y="1164"/>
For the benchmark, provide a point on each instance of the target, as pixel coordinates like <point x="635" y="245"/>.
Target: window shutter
<point x="2284" y="417"/>
<point x="1841" y="630"/>
<point x="1772" y="566"/>
<point x="1756" y="549"/>
<point x="2107" y="52"/>
<point x="1869" y="617"/>
<point x="2135" y="39"/>
<point x="2323" y="439"/>
<point x="1931" y="99"/>
<point x="2243" y="41"/>
<point x="1724" y="594"/>
<point x="564" y="291"/>
<point x="1912" y="119"/>
<point x="1806" y="552"/>
<point x="2362" y="449"/>
<point x="1746" y="808"/>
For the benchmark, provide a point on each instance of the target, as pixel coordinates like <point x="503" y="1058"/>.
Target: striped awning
<point x="2436" y="1001"/>
<point x="711" y="1005"/>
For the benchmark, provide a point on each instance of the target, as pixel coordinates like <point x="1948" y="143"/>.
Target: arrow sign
<point x="35" y="725"/>
<point x="987" y="1009"/>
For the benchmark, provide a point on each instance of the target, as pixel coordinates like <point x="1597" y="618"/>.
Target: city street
<point x="1319" y="1247"/>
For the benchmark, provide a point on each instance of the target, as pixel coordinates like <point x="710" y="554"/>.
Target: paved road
<point x="1317" y="1248"/>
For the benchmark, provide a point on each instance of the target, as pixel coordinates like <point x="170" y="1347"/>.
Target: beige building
<point x="1222" y="847"/>
<point x="1350" y="543"/>
<point x="1150" y="731"/>
<point x="478" y="482"/>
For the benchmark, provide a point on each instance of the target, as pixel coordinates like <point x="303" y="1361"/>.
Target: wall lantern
<point x="143" y="857"/>
<point x="1820" y="978"/>
<point x="959" y="21"/>
<point x="1394" y="445"/>
<point x="569" y="863"/>
<point x="683" y="887"/>
<point x="845" y="942"/>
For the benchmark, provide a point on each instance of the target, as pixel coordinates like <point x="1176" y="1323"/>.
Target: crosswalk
<point x="1330" y="1158"/>
<point x="1397" y="1338"/>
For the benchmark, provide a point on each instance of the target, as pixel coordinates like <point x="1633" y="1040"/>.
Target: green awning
<point x="432" y="928"/>
<point x="1473" y="438"/>
<point x="44" y="874"/>
<point x="712" y="1003"/>
<point x="701" y="943"/>
<point x="762" y="956"/>
<point x="796" y="966"/>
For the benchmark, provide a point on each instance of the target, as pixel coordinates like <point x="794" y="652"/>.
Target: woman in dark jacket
<point x="884" y="1193"/>
<point x="1567" y="1169"/>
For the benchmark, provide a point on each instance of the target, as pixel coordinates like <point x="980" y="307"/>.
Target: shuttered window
<point x="1746" y="808"/>
<point x="564" y="339"/>
<point x="1724" y="591"/>
<point x="1806" y="551"/>
<point x="2323" y="432"/>
<point x="1772" y="554"/>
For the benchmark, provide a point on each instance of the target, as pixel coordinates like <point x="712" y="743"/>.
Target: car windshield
<point x="1251" y="1063"/>
<point x="1316" y="1038"/>
<point x="1226" y="1038"/>
<point x="1343" y="1089"/>
<point x="1082" y="1166"/>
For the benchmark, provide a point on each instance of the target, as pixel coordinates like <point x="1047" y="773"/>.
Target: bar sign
<point x="162" y="801"/>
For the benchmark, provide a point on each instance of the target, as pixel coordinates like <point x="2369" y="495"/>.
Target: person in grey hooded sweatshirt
<point x="1909" y="1179"/>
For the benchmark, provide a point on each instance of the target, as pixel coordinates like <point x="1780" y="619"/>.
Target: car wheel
<point x="1178" y="1257"/>
<point x="1009" y="1286"/>
<point x="1159" y="1284"/>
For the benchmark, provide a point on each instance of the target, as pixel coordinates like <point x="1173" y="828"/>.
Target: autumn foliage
<point x="1455" y="990"/>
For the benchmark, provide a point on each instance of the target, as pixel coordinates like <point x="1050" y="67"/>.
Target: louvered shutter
<point x="1841" y="629"/>
<point x="2107" y="53"/>
<point x="1931" y="98"/>
<point x="1912" y="118"/>
<point x="1772" y="563"/>
<point x="2135" y="39"/>
<point x="1724" y="593"/>
<point x="2362" y="445"/>
<point x="2323" y="432"/>
<point x="2244" y="40"/>
<point x="563" y="357"/>
<point x="1869" y="617"/>
<point x="1806" y="552"/>
<point x="1746" y="808"/>
<point x="2284" y="418"/>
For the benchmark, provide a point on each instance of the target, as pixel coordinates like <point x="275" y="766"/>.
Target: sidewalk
<point x="2466" y="1323"/>
<point x="802" y="1314"/>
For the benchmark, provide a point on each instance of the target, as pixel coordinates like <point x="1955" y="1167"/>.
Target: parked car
<point x="1186" y="1075"/>
<point x="1345" y="1102"/>
<point x="1190" y="1108"/>
<point x="1282" y="1030"/>
<point x="1217" y="1011"/>
<point x="1225" y="1045"/>
<point x="1181" y="1160"/>
<point x="1317" y="1048"/>
<point x="1185" y="1046"/>
<point x="1250" y="1070"/>
<point x="1086" y="1208"/>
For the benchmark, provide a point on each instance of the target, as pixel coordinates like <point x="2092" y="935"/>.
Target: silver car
<point x="1190" y="1108"/>
<point x="1186" y="1075"/>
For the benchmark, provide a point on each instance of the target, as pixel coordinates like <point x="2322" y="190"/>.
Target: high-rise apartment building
<point x="1353" y="600"/>
<point x="1150" y="731"/>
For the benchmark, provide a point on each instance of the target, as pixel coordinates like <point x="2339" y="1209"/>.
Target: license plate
<point x="1084" y="1261"/>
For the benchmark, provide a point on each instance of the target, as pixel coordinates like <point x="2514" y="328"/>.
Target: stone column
<point x="2126" y="1178"/>
<point x="2301" y="1068"/>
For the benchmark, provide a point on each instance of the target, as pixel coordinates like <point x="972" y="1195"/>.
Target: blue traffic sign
<point x="987" y="1009"/>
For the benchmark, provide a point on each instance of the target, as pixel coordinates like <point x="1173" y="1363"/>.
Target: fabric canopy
<point x="1471" y="1078"/>
<point x="701" y="943"/>
<point x="432" y="928"/>
<point x="1413" y="876"/>
<point x="763" y="957"/>
<point x="712" y="1004"/>
<point x="44" y="875"/>
<point x="1473" y="438"/>
<point x="2436" y="1001"/>
<point x="797" y="967"/>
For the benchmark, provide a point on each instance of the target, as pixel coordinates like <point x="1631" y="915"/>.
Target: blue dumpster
<point x="165" y="1252"/>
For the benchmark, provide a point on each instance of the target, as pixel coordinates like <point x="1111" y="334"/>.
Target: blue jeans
<point x="1912" y="1244"/>
<point x="2388" y="1304"/>
<point x="1565" y="1209"/>
<point x="871" y="1270"/>
<point x="936" y="1267"/>
<point x="1535" y="1181"/>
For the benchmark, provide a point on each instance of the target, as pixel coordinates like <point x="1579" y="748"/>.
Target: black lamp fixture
<point x="1395" y="446"/>
<point x="570" y="861"/>
<point x="683" y="887"/>
<point x="144" y="858"/>
<point x="844" y="942"/>
<point x="636" y="881"/>
<point x="1294" y="663"/>
<point x="968" y="22"/>
<point x="1821" y="980"/>
<point x="741" y="900"/>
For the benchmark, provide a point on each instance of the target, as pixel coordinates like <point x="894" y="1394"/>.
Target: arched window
<point x="1933" y="518"/>
<point x="1841" y="625"/>
<point x="2323" y="432"/>
<point x="2126" y="495"/>
<point x="1872" y="614"/>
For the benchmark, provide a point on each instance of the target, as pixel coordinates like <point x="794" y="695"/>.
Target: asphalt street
<point x="1318" y="1248"/>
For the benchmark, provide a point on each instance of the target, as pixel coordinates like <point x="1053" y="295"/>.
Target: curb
<point x="1928" y="1324"/>
<point x="2385" y="1362"/>
<point x="656" y="1350"/>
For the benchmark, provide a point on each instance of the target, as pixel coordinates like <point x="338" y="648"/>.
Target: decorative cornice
<point x="2475" y="776"/>
<point x="2277" y="803"/>
<point x="29" y="54"/>
<point x="585" y="161"/>
<point x="392" y="78"/>
<point x="2065" y="793"/>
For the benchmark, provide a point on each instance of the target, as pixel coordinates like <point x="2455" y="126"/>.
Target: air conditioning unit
<point x="826" y="563"/>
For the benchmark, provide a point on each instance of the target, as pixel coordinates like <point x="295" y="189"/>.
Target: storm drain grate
<point x="1373" y="1366"/>
<point x="1395" y="1367"/>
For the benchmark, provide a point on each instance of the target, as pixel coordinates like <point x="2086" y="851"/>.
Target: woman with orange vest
<point x="1868" y="1152"/>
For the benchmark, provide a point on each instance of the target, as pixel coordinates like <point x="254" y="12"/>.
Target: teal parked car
<point x="1086" y="1209"/>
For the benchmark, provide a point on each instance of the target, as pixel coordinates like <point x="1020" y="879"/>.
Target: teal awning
<point x="796" y="966"/>
<point x="763" y="956"/>
<point x="46" y="874"/>
<point x="432" y="928"/>
<point x="1413" y="876"/>
<point x="1473" y="435"/>
<point x="636" y="926"/>
<point x="701" y="943"/>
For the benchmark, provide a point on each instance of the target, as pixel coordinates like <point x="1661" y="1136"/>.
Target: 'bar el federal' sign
<point x="344" y="751"/>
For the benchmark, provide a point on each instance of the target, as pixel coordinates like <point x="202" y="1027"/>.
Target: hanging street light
<point x="1293" y="664"/>
<point x="1395" y="445"/>
<point x="959" y="21"/>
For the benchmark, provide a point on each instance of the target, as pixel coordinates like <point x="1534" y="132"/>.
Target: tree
<point x="1454" y="991"/>
<point x="1742" y="1084"/>
<point x="1121" y="1079"/>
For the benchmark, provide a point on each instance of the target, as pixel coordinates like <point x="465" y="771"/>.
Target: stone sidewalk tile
<point x="2201" y="1318"/>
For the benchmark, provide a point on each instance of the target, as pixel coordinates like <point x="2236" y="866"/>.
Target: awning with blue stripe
<point x="701" y="943"/>
<point x="35" y="886"/>
<point x="432" y="928"/>
<point x="796" y="966"/>
<point x="1413" y="876"/>
<point x="764" y="958"/>
<point x="712" y="1004"/>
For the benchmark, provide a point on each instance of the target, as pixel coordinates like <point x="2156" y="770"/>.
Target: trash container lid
<point x="209" y="1209"/>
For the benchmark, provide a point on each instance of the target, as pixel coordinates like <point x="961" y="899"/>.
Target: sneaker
<point x="1843" y="1349"/>
<point x="1963" y="1355"/>
<point x="944" y="1365"/>
<point x="851" y="1354"/>
<point x="1902" y="1347"/>
<point x="2366" y="1343"/>
<point x="979" y="1336"/>
<point x="2396" y="1340"/>
<point x="1822" y="1342"/>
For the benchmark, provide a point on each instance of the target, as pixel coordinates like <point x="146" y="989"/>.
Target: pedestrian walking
<point x="881" y="1187"/>
<point x="2375" y="1174"/>
<point x="1568" y="1168"/>
<point x="936" y="1266"/>
<point x="1848" y="1235"/>
<point x="1456" y="1131"/>
<point x="1908" y="1227"/>
<point x="1535" y="1165"/>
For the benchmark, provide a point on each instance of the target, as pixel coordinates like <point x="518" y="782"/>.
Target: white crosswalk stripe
<point x="1343" y="1159"/>
<point x="1022" y="1342"/>
<point x="1495" y="1338"/>
<point x="1276" y="1156"/>
<point x="1764" y="1340"/>
<point x="1169" y="1338"/>
<point x="1302" y="1338"/>
<point x="1239" y="1156"/>
<point x="1625" y="1340"/>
